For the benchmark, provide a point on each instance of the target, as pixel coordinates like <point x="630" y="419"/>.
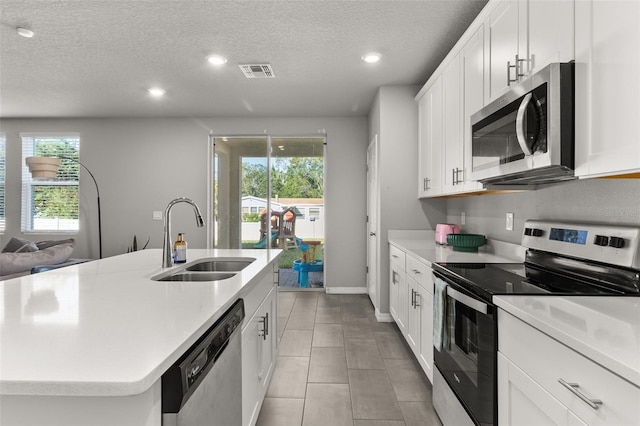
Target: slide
<point x="263" y="242"/>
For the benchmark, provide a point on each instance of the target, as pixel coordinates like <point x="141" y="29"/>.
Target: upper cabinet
<point x="607" y="95"/>
<point x="523" y="37"/>
<point x="430" y="141"/>
<point x="452" y="131"/>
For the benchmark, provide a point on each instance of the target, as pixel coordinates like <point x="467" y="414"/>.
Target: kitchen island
<point x="87" y="344"/>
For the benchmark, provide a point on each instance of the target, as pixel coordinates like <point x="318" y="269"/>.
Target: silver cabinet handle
<point x="522" y="141"/>
<point x="395" y="256"/>
<point x="372" y="234"/>
<point x="393" y="277"/>
<point x="574" y="389"/>
<point x="458" y="172"/>
<point x="415" y="271"/>
<point x="413" y="297"/>
<point x="265" y="326"/>
<point x="518" y="65"/>
<point x="509" y="66"/>
<point x="453" y="176"/>
<point x="415" y="303"/>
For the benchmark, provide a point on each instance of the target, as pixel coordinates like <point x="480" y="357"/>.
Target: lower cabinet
<point x="259" y="353"/>
<point x="522" y="401"/>
<point x="411" y="304"/>
<point x="543" y="382"/>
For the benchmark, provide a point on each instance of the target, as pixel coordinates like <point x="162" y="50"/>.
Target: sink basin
<point x="195" y="276"/>
<point x="222" y="264"/>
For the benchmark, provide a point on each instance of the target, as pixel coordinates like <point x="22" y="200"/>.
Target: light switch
<point x="509" y="222"/>
<point x="157" y="215"/>
<point x="463" y="218"/>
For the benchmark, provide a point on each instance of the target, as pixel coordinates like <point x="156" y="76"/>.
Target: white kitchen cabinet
<point x="473" y="73"/>
<point x="522" y="401"/>
<point x="430" y="141"/>
<point x="259" y="351"/>
<point x="396" y="275"/>
<point x="419" y="333"/>
<point x="531" y="368"/>
<point x="524" y="36"/>
<point x="452" y="132"/>
<point x="607" y="94"/>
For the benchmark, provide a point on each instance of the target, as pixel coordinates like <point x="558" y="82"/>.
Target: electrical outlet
<point x="509" y="222"/>
<point x="463" y="218"/>
<point x="157" y="215"/>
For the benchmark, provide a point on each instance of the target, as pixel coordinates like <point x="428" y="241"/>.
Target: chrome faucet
<point x="167" y="260"/>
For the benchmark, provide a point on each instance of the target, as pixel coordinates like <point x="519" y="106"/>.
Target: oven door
<point x="465" y="350"/>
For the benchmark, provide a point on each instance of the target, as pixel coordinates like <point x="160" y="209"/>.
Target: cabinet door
<point x="426" y="328"/>
<point x="452" y="132"/>
<point x="607" y="92"/>
<point x="431" y="139"/>
<point x="473" y="98"/>
<point x="424" y="155"/>
<point x="413" y="316"/>
<point x="550" y="29"/>
<point x="403" y="301"/>
<point x="251" y="354"/>
<point x="501" y="32"/>
<point x="268" y="352"/>
<point x="522" y="401"/>
<point x="394" y="277"/>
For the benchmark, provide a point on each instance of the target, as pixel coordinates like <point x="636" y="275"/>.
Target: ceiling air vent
<point x="257" y="71"/>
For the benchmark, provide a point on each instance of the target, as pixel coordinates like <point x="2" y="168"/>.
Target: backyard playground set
<point x="281" y="233"/>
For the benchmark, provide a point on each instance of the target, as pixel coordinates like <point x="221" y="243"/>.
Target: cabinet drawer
<point x="397" y="256"/>
<point x="420" y="272"/>
<point x="547" y="361"/>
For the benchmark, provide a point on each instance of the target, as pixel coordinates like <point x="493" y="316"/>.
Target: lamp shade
<point x="43" y="167"/>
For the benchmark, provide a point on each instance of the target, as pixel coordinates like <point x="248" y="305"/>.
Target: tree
<point x="254" y="180"/>
<point x="297" y="177"/>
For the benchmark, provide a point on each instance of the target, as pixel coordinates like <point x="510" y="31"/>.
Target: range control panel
<point x="612" y="244"/>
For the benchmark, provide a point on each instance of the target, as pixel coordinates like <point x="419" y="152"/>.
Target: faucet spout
<point x="167" y="258"/>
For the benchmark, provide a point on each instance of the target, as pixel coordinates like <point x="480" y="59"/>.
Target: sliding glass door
<point x="268" y="192"/>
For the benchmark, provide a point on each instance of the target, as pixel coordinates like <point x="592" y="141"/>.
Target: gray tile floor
<point x="338" y="366"/>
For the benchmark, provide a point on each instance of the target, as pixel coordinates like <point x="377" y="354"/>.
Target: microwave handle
<point x="522" y="141"/>
<point x="474" y="304"/>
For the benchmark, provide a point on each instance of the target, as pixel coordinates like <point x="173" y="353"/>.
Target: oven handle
<point x="468" y="301"/>
<point x="522" y="141"/>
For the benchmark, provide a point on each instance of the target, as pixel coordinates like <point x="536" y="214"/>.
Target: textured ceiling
<point x="92" y="58"/>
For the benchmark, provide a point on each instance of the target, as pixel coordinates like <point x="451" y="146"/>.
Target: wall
<point x="614" y="201"/>
<point x="142" y="164"/>
<point x="394" y="118"/>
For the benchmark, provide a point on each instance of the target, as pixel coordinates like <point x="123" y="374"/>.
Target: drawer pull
<point x="573" y="387"/>
<point x="415" y="271"/>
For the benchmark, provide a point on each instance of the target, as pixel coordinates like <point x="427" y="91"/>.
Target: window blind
<point x="51" y="205"/>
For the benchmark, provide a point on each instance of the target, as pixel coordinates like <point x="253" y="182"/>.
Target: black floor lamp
<point x="47" y="168"/>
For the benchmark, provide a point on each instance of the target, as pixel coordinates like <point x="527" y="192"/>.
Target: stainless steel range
<point x="562" y="259"/>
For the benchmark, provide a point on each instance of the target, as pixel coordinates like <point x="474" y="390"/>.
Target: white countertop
<point x="104" y="327"/>
<point x="421" y="244"/>
<point x="603" y="329"/>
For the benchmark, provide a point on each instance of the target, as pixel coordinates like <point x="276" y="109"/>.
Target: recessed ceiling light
<point x="157" y="92"/>
<point x="217" y="60"/>
<point x="25" y="32"/>
<point x="372" y="57"/>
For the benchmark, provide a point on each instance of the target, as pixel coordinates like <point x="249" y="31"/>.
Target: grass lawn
<point x="288" y="256"/>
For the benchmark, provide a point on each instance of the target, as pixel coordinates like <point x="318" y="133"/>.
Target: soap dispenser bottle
<point x="180" y="249"/>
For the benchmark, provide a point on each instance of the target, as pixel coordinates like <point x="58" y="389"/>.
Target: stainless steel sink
<point x="207" y="269"/>
<point x="222" y="264"/>
<point x="195" y="276"/>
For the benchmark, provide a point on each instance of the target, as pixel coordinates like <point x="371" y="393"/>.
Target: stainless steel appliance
<point x="526" y="136"/>
<point x="204" y="387"/>
<point x="561" y="259"/>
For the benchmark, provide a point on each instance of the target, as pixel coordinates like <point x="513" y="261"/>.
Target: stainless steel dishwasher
<point x="204" y="387"/>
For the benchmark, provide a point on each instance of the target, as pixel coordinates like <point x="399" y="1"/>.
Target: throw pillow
<point x="11" y="263"/>
<point x="18" y="245"/>
<point x="51" y="243"/>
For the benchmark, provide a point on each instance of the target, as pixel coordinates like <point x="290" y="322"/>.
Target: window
<point x="314" y="213"/>
<point x="254" y="210"/>
<point x="3" y="156"/>
<point x="51" y="204"/>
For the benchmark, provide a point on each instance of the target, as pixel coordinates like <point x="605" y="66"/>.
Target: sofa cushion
<point x="51" y="243"/>
<point x="18" y="245"/>
<point x="12" y="263"/>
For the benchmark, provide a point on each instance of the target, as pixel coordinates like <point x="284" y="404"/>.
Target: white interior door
<point x="372" y="222"/>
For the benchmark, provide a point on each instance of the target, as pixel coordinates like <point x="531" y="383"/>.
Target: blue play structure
<point x="308" y="263"/>
<point x="263" y="242"/>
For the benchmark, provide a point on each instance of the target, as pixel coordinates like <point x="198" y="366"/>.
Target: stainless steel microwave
<point x="526" y="137"/>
